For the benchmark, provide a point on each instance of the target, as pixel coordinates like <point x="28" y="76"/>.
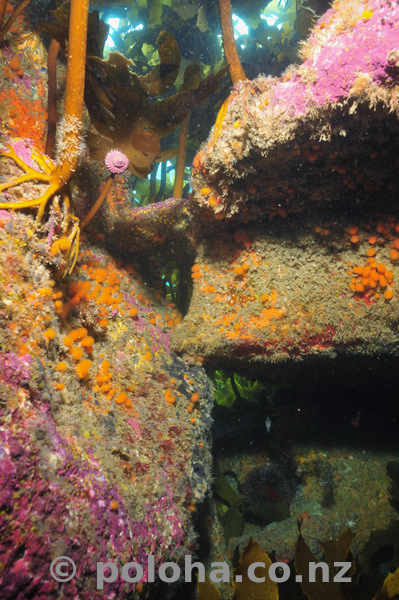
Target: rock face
<point x="293" y="223"/>
<point x="296" y="196"/>
<point x="303" y="140"/>
<point x="103" y="430"/>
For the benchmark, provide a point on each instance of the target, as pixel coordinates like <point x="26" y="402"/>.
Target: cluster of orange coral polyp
<point x="83" y="367"/>
<point x="50" y="333"/>
<point x="389" y="231"/>
<point x="103" y="378"/>
<point x="169" y="397"/>
<point x="196" y="271"/>
<point x="194" y="400"/>
<point x="104" y="385"/>
<point x="123" y="398"/>
<point x="371" y="278"/>
<point x="105" y="291"/>
<point x="394" y="252"/>
<point x="354" y="234"/>
<point x="241" y="270"/>
<point x="76" y="352"/>
<point x="102" y="287"/>
<point x="75" y="334"/>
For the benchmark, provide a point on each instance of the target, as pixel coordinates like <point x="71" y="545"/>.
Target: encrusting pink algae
<point x="105" y="405"/>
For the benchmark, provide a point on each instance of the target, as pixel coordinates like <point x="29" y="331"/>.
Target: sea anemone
<point x="116" y="161"/>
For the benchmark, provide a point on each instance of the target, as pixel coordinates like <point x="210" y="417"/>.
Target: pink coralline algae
<point x="40" y="521"/>
<point x="151" y="530"/>
<point x="23" y="148"/>
<point x="364" y="48"/>
<point x="116" y="161"/>
<point x="351" y="67"/>
<point x="15" y="370"/>
<point x="166" y="206"/>
<point x="5" y="215"/>
<point x="54" y="502"/>
<point x="160" y="338"/>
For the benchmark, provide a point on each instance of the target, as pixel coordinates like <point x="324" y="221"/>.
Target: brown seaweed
<point x="247" y="588"/>
<point x="118" y="103"/>
<point x="334" y="551"/>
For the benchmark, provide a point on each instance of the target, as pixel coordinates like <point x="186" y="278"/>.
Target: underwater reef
<point x="296" y="197"/>
<point x="102" y="456"/>
<point x="289" y="245"/>
<point x="292" y="226"/>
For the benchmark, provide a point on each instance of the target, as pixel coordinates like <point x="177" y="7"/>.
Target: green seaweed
<point x="230" y="386"/>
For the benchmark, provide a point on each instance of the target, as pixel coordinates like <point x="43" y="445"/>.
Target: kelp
<point x="195" y="29"/>
<point x="118" y="99"/>
<point x="97" y="30"/>
<point x="268" y="46"/>
<point x="390" y="588"/>
<point x="110" y="3"/>
<point x="334" y="551"/>
<point x="244" y="587"/>
<point x="207" y="591"/>
<point x="118" y="103"/>
<point x="232" y="519"/>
